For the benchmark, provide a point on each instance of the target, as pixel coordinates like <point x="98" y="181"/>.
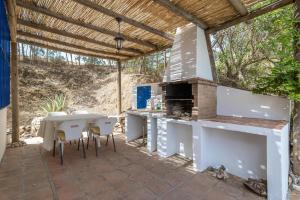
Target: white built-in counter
<point x="249" y="137"/>
<point x="249" y="148"/>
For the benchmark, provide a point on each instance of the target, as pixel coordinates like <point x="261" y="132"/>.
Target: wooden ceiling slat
<point x="70" y="20"/>
<point x="62" y="49"/>
<point x="39" y="37"/>
<point x="128" y="20"/>
<point x="181" y="12"/>
<point x="71" y="35"/>
<point x="162" y="15"/>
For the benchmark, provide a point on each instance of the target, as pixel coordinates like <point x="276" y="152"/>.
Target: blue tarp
<point x="4" y="57"/>
<point x="143" y="94"/>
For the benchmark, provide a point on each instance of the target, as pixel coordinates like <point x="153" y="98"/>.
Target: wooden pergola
<point x="88" y="27"/>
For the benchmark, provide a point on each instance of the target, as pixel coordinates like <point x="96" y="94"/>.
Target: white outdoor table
<point x="48" y="124"/>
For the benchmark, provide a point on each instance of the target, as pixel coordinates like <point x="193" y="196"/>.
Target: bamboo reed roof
<point x="71" y="26"/>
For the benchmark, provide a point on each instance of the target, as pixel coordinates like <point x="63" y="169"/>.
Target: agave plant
<point x="57" y="104"/>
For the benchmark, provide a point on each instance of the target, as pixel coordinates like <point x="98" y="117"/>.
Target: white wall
<point x="203" y="61"/>
<point x="184" y="139"/>
<point x="134" y="126"/>
<point x="3" y="119"/>
<point x="243" y="154"/>
<point x="189" y="55"/>
<point x="241" y="103"/>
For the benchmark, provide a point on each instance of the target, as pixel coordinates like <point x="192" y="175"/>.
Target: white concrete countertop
<point x="146" y="113"/>
<point x="247" y="125"/>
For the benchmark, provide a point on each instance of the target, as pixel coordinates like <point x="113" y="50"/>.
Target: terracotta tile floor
<point x="32" y="173"/>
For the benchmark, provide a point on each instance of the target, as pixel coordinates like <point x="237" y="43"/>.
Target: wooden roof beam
<point x="63" y="50"/>
<point x="268" y="8"/>
<point x="125" y="19"/>
<point x="73" y="36"/>
<point x="70" y="20"/>
<point x="39" y="37"/>
<point x="150" y="52"/>
<point x="181" y="12"/>
<point x="239" y="6"/>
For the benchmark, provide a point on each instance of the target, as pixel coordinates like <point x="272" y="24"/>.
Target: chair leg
<point x="78" y="145"/>
<point x="106" y="140"/>
<point x="83" y="149"/>
<point x="88" y="142"/>
<point x="96" y="147"/>
<point x="54" y="146"/>
<point x="113" y="139"/>
<point x="61" y="153"/>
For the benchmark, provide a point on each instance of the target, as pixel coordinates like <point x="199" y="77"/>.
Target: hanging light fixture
<point x="119" y="38"/>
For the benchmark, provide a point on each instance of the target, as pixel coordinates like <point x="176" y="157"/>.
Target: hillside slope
<point x="90" y="88"/>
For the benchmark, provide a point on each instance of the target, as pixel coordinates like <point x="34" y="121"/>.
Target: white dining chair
<point x="54" y="114"/>
<point x="103" y="127"/>
<point x="68" y="131"/>
<point x="82" y="112"/>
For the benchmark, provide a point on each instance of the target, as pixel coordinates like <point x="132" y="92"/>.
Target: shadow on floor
<point x="33" y="173"/>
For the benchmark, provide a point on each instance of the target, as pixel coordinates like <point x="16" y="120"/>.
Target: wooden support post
<point x="165" y="59"/>
<point x="14" y="92"/>
<point x="297" y="27"/>
<point x="211" y="56"/>
<point x="296" y="120"/>
<point x="11" y="8"/>
<point x="119" y="87"/>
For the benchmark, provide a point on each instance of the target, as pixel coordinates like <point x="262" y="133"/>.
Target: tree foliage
<point x="284" y="78"/>
<point x="258" y="55"/>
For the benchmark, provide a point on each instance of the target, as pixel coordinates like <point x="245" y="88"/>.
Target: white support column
<point x="151" y="134"/>
<point x="198" y="147"/>
<point x="162" y="136"/>
<point x="277" y="165"/>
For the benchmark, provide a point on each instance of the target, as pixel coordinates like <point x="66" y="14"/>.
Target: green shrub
<point x="56" y="104"/>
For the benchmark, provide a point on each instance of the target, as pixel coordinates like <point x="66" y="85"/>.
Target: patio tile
<point x="127" y="187"/>
<point x="107" y="195"/>
<point x="95" y="186"/>
<point x="70" y="191"/>
<point x="217" y="195"/>
<point x="199" y="185"/>
<point x="32" y="173"/>
<point x="44" y="193"/>
<point x="295" y="195"/>
<point x="115" y="177"/>
<point x="178" y="176"/>
<point x="178" y="195"/>
<point x="157" y="185"/>
<point x="141" y="194"/>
